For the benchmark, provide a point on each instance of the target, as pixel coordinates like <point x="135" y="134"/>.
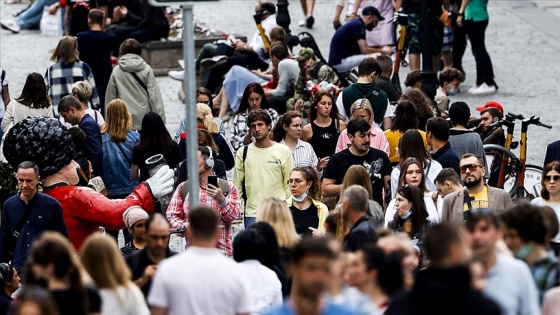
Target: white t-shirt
<point x="2" y="85"/>
<point x="265" y="288"/>
<point x="123" y="301"/>
<point x="200" y="281"/>
<point x="389" y="112"/>
<point x="431" y="171"/>
<point x="542" y="203"/>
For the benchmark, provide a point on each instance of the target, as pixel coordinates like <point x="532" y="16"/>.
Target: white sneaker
<point x="10" y="25"/>
<point x="214" y="61"/>
<point x="302" y="23"/>
<point x="474" y="87"/>
<point x="177" y="75"/>
<point x="484" y="89"/>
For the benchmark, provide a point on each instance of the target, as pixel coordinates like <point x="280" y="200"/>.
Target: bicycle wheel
<point x="511" y="170"/>
<point x="532" y="183"/>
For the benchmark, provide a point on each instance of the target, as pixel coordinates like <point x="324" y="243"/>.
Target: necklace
<point x="302" y="205"/>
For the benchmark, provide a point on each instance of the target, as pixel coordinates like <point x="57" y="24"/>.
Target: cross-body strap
<point x="143" y="85"/>
<point x="466" y="200"/>
<point x="21" y="223"/>
<point x="243" y="188"/>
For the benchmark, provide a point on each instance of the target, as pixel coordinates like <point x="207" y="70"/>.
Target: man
<point x="490" y="113"/>
<point x="310" y="270"/>
<point x="311" y="69"/>
<point x="71" y="110"/>
<point x="76" y="17"/>
<point x="133" y="81"/>
<point x="135" y="220"/>
<point x="447" y="182"/>
<point x="349" y="46"/>
<point x="449" y="81"/>
<point x="144" y="263"/>
<point x="476" y="194"/>
<point x="26" y="216"/>
<point x="201" y="280"/>
<point x="375" y="161"/>
<point x="509" y="282"/>
<point x="29" y="19"/>
<point x="463" y="140"/>
<point x="383" y="82"/>
<point x="225" y="202"/>
<point x="437" y="135"/>
<point x="262" y="168"/>
<point x="288" y="72"/>
<point x="368" y="71"/>
<point x="95" y="48"/>
<point x="361" y="231"/>
<point x="444" y="287"/>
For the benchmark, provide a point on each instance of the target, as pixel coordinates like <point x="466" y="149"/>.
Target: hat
<point x="491" y="104"/>
<point x="372" y="11"/>
<point x="133" y="215"/>
<point x="305" y="53"/>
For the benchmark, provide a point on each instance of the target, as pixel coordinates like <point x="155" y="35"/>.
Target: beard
<point x="473" y="183"/>
<point x="370" y="26"/>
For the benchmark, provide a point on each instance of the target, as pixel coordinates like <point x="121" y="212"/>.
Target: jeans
<point x="247" y="60"/>
<point x="32" y="16"/>
<point x="249" y="221"/>
<point x="484" y="70"/>
<point x="207" y="51"/>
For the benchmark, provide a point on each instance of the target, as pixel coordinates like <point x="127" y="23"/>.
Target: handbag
<point x="51" y="23"/>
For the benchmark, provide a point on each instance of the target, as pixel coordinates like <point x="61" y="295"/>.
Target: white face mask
<point x="406" y="215"/>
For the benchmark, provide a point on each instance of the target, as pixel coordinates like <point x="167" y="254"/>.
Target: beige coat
<point x="452" y="211"/>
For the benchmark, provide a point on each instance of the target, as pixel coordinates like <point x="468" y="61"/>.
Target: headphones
<point x="6" y="272"/>
<point x="209" y="162"/>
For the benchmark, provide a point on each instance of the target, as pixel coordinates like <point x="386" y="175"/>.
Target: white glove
<point x="162" y="182"/>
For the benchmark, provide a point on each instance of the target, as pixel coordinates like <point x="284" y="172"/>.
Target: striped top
<point x="303" y="154"/>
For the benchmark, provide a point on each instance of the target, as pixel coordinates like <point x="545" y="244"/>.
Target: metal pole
<point x="189" y="85"/>
<point x="429" y="77"/>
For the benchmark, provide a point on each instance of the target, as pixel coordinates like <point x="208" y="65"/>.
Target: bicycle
<point x="520" y="179"/>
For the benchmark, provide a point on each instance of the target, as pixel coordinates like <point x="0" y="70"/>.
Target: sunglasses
<point x="470" y="167"/>
<point x="549" y="178"/>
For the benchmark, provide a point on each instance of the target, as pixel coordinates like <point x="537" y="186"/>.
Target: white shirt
<point x="389" y="112"/>
<point x="431" y="171"/>
<point x="265" y="289"/>
<point x="256" y="42"/>
<point x="123" y="301"/>
<point x="434" y="213"/>
<point x="200" y="281"/>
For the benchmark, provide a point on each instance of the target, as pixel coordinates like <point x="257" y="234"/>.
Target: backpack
<point x="224" y="186"/>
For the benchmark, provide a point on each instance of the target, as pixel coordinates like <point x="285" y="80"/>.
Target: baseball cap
<point x="491" y="104"/>
<point x="369" y="10"/>
<point x="305" y="53"/>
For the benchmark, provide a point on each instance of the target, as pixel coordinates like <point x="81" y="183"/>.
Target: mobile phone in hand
<point x="213" y="180"/>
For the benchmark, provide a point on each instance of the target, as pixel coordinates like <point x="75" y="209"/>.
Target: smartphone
<point x="213" y="180"/>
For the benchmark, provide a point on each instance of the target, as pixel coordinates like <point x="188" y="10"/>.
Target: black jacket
<point x="447" y="158"/>
<point x="443" y="291"/>
<point x="360" y="234"/>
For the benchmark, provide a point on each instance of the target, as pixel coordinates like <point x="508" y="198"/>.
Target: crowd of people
<point x="355" y="199"/>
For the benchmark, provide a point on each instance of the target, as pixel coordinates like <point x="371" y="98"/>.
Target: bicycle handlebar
<point x="537" y="121"/>
<point x="515" y="116"/>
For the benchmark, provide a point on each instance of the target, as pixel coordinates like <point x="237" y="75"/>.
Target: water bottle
<point x="153" y="164"/>
<point x="309" y="85"/>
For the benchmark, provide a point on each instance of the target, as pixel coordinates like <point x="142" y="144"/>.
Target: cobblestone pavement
<point x="522" y="39"/>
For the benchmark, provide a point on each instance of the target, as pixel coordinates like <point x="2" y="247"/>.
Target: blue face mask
<point x="406" y="215"/>
<point x="523" y="252"/>
<point x="300" y="198"/>
<point x="452" y="91"/>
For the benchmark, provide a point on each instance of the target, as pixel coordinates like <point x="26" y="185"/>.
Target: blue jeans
<point x="249" y="221"/>
<point x="32" y="16"/>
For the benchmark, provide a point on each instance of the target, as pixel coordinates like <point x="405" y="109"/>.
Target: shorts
<point x="447" y="39"/>
<point x="414" y="34"/>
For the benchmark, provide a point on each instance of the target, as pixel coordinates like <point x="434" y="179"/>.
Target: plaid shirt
<point x="60" y="77"/>
<point x="178" y="213"/>
<point x="240" y="127"/>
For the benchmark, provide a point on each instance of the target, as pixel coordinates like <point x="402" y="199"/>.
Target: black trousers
<point x="476" y="32"/>
<point x="459" y="46"/>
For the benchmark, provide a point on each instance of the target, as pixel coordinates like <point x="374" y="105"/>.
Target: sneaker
<point x="484" y="89"/>
<point x="301" y="23"/>
<point x="10" y="25"/>
<point x="214" y="61"/>
<point x="177" y="75"/>
<point x="309" y="22"/>
<point x="474" y="87"/>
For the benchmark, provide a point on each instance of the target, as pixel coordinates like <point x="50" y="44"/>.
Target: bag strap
<point x="21" y="223"/>
<point x="84" y="176"/>
<point x="143" y="85"/>
<point x="224" y="186"/>
<point x="243" y="188"/>
<point x="467" y="200"/>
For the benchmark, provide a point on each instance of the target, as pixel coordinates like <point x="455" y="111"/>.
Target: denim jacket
<point x="116" y="166"/>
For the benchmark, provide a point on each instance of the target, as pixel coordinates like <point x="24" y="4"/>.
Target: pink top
<point x="378" y="140"/>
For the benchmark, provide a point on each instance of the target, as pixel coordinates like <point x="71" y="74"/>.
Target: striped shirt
<point x="303" y="154"/>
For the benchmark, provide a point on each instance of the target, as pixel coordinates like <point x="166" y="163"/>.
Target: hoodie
<point x="375" y="96"/>
<point x="139" y="99"/>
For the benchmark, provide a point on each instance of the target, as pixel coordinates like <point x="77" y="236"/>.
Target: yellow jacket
<point x="322" y="209"/>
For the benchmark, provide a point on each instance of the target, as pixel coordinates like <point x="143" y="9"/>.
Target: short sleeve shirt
<point x="345" y="41"/>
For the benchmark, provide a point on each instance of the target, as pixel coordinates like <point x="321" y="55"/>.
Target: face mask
<point x="300" y="198"/>
<point x="370" y="27"/>
<point x="452" y="91"/>
<point x="406" y="215"/>
<point x="523" y="252"/>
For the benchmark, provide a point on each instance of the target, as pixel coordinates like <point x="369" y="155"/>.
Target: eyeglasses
<point x="549" y="178"/>
<point x="297" y="181"/>
<point x="471" y="167"/>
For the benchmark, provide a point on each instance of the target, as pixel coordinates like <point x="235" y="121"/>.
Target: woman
<point x="376" y="274"/>
<point x="362" y="108"/>
<point x="67" y="70"/>
<point x="154" y="139"/>
<point x="309" y="214"/>
<point x="474" y="15"/>
<point x="423" y="105"/>
<point x="34" y="300"/>
<point x="410" y="145"/>
<point x="325" y="127"/>
<point x="206" y="121"/>
<point x="204" y="139"/>
<point x="203" y="96"/>
<point x="249" y="248"/>
<point x="276" y="213"/>
<point x="550" y="191"/>
<point x="411" y="216"/>
<point x="405" y="119"/>
<point x="33" y="101"/>
<point x="358" y="175"/>
<point x="253" y="99"/>
<point x="102" y="259"/>
<point x="51" y="261"/>
<point x="9" y="283"/>
<point x="412" y="174"/>
<point x="288" y="131"/>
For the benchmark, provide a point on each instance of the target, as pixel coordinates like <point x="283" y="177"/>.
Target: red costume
<point x="84" y="209"/>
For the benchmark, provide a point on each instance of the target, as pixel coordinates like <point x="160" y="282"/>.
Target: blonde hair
<point x="276" y="213"/>
<point x="362" y="103"/>
<point x="204" y="113"/>
<point x="66" y="50"/>
<point x="104" y="262"/>
<point x="118" y="120"/>
<point x="83" y="90"/>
